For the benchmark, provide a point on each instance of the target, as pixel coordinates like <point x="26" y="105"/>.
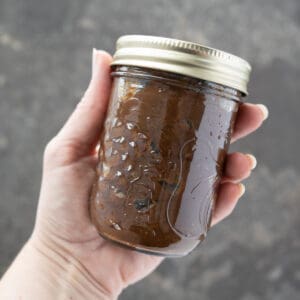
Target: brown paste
<point x="161" y="155"/>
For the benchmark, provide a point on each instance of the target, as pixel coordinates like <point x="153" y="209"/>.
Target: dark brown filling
<point x="160" y="160"/>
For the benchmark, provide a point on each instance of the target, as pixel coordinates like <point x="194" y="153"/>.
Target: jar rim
<point x="182" y="57"/>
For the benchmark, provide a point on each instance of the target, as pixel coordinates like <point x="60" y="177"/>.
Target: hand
<point x="63" y="233"/>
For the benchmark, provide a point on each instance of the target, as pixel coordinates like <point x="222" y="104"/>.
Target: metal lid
<point x="184" y="58"/>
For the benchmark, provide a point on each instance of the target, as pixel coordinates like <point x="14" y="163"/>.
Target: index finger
<point x="250" y="117"/>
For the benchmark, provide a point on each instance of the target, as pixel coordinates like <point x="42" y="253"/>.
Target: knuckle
<point x="85" y="104"/>
<point x="84" y="101"/>
<point x="60" y="153"/>
<point x="51" y="149"/>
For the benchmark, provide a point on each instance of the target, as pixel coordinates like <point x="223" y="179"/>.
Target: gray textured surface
<point x="45" y="49"/>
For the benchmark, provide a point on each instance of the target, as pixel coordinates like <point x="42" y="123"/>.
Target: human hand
<point x="63" y="232"/>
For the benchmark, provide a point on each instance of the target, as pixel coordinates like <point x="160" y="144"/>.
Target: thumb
<point x="80" y="134"/>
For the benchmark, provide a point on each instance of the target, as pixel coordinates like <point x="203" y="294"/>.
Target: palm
<point x="69" y="224"/>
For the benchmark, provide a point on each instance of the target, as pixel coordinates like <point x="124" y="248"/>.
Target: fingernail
<point x="264" y="110"/>
<point x="253" y="160"/>
<point x="242" y="189"/>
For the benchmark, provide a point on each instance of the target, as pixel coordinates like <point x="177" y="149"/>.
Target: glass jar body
<point x="161" y="156"/>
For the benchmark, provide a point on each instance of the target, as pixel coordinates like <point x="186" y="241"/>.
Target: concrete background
<point x="45" y="49"/>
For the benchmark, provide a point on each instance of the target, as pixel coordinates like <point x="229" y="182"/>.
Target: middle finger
<point x="238" y="166"/>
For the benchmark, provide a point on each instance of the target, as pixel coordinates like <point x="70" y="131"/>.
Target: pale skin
<point x="65" y="258"/>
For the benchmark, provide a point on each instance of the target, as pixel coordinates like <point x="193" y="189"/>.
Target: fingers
<point x="83" y="128"/>
<point x="238" y="166"/>
<point x="229" y="194"/>
<point x="249" y="118"/>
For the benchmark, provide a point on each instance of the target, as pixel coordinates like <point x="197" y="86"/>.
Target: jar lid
<point x="182" y="57"/>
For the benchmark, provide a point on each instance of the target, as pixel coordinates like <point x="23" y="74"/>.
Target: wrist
<point x="66" y="274"/>
<point x="43" y="271"/>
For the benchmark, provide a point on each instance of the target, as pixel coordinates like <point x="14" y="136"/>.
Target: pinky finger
<point x="228" y="197"/>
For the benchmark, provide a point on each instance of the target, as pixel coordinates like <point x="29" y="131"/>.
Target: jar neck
<point x="183" y="81"/>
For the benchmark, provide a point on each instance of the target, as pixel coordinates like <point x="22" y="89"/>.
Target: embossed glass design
<point x="161" y="156"/>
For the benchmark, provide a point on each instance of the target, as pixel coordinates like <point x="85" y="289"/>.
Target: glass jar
<point x="167" y="131"/>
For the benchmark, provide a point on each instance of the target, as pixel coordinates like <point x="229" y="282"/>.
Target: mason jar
<point x="171" y="113"/>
